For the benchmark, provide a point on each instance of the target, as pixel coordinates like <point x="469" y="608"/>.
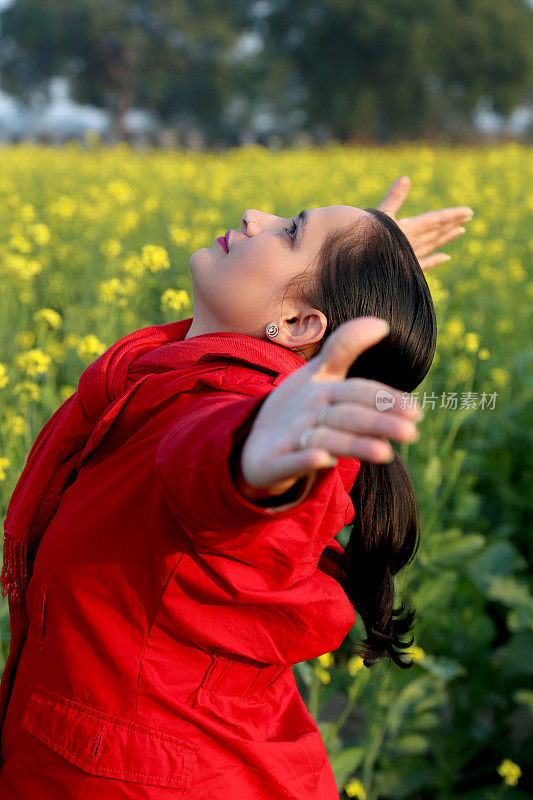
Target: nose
<point x="251" y="215"/>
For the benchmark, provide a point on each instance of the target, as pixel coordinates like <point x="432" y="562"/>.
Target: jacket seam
<point x="148" y="634"/>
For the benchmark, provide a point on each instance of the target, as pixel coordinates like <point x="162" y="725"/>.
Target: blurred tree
<point x="397" y="68"/>
<point x="164" y="57"/>
<point x="372" y="69"/>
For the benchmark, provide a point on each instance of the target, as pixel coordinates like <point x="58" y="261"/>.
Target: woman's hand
<point x="426" y="231"/>
<point x="271" y="461"/>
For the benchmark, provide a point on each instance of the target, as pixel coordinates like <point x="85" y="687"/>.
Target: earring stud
<point x="272" y="330"/>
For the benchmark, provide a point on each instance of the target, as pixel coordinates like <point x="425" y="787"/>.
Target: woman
<point x="169" y="548"/>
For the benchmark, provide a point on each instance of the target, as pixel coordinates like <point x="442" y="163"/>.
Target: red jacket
<point x="165" y="610"/>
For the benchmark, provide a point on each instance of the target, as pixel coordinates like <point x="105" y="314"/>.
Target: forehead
<point x="325" y="218"/>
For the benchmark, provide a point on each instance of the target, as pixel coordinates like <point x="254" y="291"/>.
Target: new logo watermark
<point x="384" y="400"/>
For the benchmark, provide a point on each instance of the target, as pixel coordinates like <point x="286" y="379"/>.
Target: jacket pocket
<point x="108" y="746"/>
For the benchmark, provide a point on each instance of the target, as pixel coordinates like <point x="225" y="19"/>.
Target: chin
<point x="204" y="254"/>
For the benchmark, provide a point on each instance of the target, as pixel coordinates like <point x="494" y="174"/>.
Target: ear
<point x="303" y="327"/>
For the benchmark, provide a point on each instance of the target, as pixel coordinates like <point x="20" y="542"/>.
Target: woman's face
<point x="235" y="291"/>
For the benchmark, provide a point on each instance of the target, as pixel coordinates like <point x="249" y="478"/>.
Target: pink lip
<point x="222" y="242"/>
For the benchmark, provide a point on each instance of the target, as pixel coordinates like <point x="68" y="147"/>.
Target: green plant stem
<point x="371" y="758"/>
<point x="314" y="694"/>
<point x="453" y="475"/>
<point x="353" y="694"/>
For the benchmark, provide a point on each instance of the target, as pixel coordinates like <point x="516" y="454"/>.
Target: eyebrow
<point x="303" y="218"/>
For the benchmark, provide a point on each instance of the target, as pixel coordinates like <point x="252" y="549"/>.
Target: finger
<point x="395" y="195"/>
<point x="441" y="230"/>
<point x="444" y="216"/>
<point x="425" y="248"/>
<point x="301" y="463"/>
<point x="433" y="261"/>
<point x="373" y="394"/>
<point x="346" y="445"/>
<point x="357" y="419"/>
<point x="432" y="235"/>
<point x="345" y="345"/>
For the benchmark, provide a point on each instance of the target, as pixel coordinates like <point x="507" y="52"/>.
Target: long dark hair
<point x="369" y="268"/>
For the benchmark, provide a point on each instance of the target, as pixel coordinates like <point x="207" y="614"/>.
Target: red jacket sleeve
<point x="193" y="462"/>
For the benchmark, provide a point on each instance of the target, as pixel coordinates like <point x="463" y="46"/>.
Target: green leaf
<point x="498" y="558"/>
<point x="411" y="744"/>
<point x="345" y="763"/>
<point x="515" y="595"/>
<point x="426" y="721"/>
<point x="435" y="591"/>
<point x="432" y="475"/>
<point x="403" y="705"/>
<point x="445" y="668"/>
<point x="515" y="657"/>
<point x="525" y="698"/>
<point x="450" y="549"/>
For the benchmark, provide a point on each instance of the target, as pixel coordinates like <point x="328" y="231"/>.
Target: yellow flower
<point x="133" y="265"/>
<point x="21" y="267"/>
<point x="355" y="788"/>
<point x="34" y="362"/>
<point x="26" y="391"/>
<point x="483" y="354"/>
<point x="4" y="464"/>
<point x="14" y="424"/>
<point x="416" y="653"/>
<point x="120" y="191"/>
<point x="323" y="675"/>
<point x="355" y="663"/>
<point x="474" y="247"/>
<point x="179" y="235"/>
<point x="516" y="270"/>
<point x="463" y="369"/>
<point x="4" y="380"/>
<point x="108" y="290"/>
<point x="50" y="316"/>
<point x="326" y="660"/>
<point x="90" y="347"/>
<point x="155" y="257"/>
<point x="64" y="207"/>
<point x="71" y="340"/>
<point x="129" y="222"/>
<point x="174" y="300"/>
<point x="478" y="227"/>
<point x="21" y="244"/>
<point x="66" y="391"/>
<point x="25" y="340"/>
<point x="111" y="248"/>
<point x="27" y="212"/>
<point x="40" y="233"/>
<point x="509" y="771"/>
<point x="499" y="375"/>
<point x="151" y="204"/>
<point x="471" y="342"/>
<point x="455" y="328"/>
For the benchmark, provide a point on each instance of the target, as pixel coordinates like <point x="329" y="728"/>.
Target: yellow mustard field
<point x="95" y="243"/>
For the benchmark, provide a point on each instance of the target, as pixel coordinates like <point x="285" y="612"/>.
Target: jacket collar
<point x="241" y="346"/>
